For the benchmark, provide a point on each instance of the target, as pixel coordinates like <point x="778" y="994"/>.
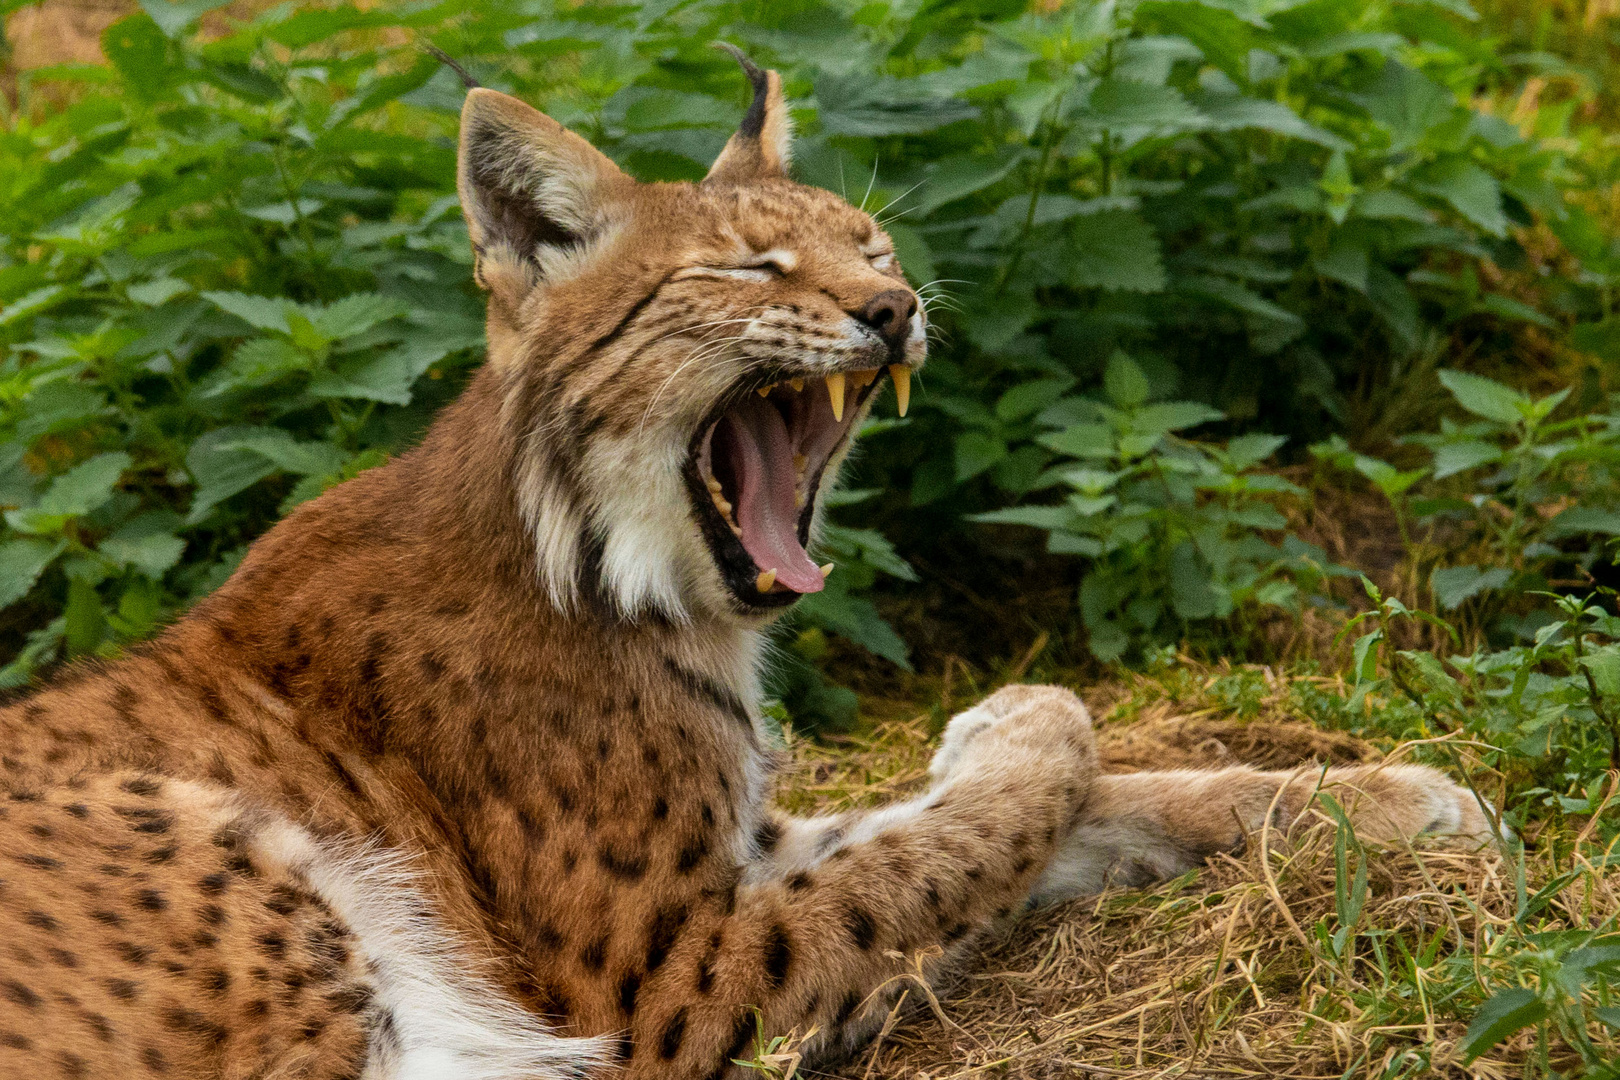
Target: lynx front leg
<point x="812" y="933"/>
<point x="1142" y="827"/>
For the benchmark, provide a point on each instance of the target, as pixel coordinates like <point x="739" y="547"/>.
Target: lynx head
<point x="682" y="364"/>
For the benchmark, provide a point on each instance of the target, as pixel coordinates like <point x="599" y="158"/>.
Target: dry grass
<point x="1223" y="972"/>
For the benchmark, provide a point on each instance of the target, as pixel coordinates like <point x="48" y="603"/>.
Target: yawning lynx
<point x="461" y="774"/>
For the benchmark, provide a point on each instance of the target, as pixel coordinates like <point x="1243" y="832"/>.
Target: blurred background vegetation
<point x="1268" y="331"/>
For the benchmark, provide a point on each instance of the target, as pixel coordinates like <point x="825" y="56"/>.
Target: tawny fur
<point x="461" y="773"/>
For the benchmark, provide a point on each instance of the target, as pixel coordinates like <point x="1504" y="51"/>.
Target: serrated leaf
<point x="153" y="555"/>
<point x="285" y="452"/>
<point x="356" y="314"/>
<point x="1486" y="397"/>
<point x="1455" y="584"/>
<point x="1080" y="440"/>
<point x="1456" y="457"/>
<point x="21" y="563"/>
<point x="1030" y="398"/>
<point x="1236" y="296"/>
<point x="259" y="312"/>
<point x="221" y="470"/>
<point x="1472" y="192"/>
<point x="1249" y="450"/>
<point x="976" y="451"/>
<point x="1124" y="381"/>
<point x="1155" y="420"/>
<point x="1234" y="113"/>
<point x="86" y="486"/>
<point x="1114" y="251"/>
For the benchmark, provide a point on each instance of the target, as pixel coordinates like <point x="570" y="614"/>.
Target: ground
<point x="1230" y="971"/>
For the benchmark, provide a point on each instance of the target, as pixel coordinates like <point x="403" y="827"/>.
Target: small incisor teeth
<point x="826" y="569"/>
<point x="766" y="579"/>
<point x="798" y="500"/>
<point x="901" y="375"/>
<point x="797" y="384"/>
<point x="862" y="379"/>
<point x="765" y="391"/>
<point x="835" y="392"/>
<point x="722" y="506"/>
<point x="799" y="462"/>
<point x="714" y="485"/>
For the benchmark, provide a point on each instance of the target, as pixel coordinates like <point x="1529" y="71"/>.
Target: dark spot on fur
<point x="861" y="927"/>
<point x="212" y="914"/>
<point x="153" y="1059"/>
<point x="216" y="980"/>
<point x="741" y="1036"/>
<point x="40" y="862"/>
<point x="123" y="989"/>
<point x="778" y="956"/>
<point x="594" y="955"/>
<point x="846" y="1008"/>
<point x="431" y="666"/>
<point x="625" y="867"/>
<point x="629" y="987"/>
<point x="132" y="953"/>
<point x="661" y="937"/>
<point x="669" y="1044"/>
<point x="42" y="920"/>
<point x="78" y="810"/>
<point x="214" y="883"/>
<point x="692" y="854"/>
<point x="273" y="945"/>
<point x="767" y="836"/>
<point x="151" y="900"/>
<point x="22" y="995"/>
<point x="800" y="882"/>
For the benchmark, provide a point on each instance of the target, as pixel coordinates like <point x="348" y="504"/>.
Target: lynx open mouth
<point x="755" y="469"/>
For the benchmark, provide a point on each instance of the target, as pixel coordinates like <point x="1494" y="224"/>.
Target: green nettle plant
<point x="1524" y="492"/>
<point x="1172" y="528"/>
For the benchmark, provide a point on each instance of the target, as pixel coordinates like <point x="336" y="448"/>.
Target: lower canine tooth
<point x="826" y="569"/>
<point x="835" y="393"/>
<point x="902" y="386"/>
<point x="765" y="580"/>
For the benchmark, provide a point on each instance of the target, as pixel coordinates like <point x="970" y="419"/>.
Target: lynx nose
<point x="889" y="313"/>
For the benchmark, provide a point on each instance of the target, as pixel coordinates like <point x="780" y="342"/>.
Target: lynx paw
<point x="1050" y="711"/>
<point x="1396" y="803"/>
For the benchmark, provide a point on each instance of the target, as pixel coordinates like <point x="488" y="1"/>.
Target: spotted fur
<point x="462" y="773"/>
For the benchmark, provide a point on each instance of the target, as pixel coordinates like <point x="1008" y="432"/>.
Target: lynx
<point x="463" y="772"/>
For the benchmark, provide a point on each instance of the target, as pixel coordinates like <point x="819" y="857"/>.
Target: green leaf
<point x="1192" y="593"/>
<point x="1604" y="664"/>
<point x="221" y="470"/>
<point x="86" y="486"/>
<point x="1124" y="381"/>
<point x="259" y="312"/>
<point x="1345" y="262"/>
<point x="1080" y="440"/>
<point x="957" y="177"/>
<point x="1583" y="520"/>
<point x="21" y="563"/>
<point x="152" y="555"/>
<point x="285" y="452"/>
<point x="856" y="619"/>
<point x="86" y="619"/>
<point x="1506" y="1012"/>
<point x="173" y="18"/>
<point x="1234" y="113"/>
<point x="138" y="49"/>
<point x="356" y="314"/>
<point x="1116" y="251"/>
<point x="1486" y="397"/>
<point x="976" y="451"/>
<point x="1472" y="192"/>
<point x="1030" y="398"/>
<point x="1455" y="457"/>
<point x="1155" y="420"/>
<point x="1246" y="451"/>
<point x="1236" y="296"/>
<point x="1456" y="584"/>
<point x="1040" y="517"/>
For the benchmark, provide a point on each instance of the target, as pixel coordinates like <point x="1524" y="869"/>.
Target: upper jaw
<point x="819" y="411"/>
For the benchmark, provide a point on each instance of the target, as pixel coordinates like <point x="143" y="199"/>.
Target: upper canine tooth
<point x="797" y="384"/>
<point x="835" y="392"/>
<point x="766" y="579"/>
<point x="902" y="386"/>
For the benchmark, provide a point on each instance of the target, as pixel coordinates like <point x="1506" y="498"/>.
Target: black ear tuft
<point x="754" y="122"/>
<point x="444" y="58"/>
<point x="763" y="145"/>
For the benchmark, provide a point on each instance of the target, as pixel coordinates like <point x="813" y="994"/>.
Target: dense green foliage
<point x="1163" y="242"/>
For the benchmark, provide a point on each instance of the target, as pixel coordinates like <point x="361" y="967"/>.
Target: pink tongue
<point x="763" y="459"/>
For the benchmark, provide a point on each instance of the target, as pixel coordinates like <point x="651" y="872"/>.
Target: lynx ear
<point x="536" y="196"/>
<point x="763" y="145"/>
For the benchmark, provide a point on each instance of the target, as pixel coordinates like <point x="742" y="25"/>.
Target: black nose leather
<point x="889" y="313"/>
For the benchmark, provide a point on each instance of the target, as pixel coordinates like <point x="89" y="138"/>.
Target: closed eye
<point x="883" y="262"/>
